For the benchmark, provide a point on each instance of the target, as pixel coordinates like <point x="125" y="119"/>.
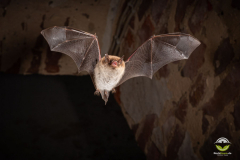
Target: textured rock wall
<point x="189" y="104"/>
<point x="24" y="50"/>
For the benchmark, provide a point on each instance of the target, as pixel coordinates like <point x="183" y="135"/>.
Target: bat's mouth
<point x="114" y="63"/>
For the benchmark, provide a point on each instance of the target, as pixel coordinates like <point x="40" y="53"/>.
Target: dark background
<point x="58" y="117"/>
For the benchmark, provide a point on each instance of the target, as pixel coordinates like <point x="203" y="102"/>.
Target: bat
<point x="110" y="71"/>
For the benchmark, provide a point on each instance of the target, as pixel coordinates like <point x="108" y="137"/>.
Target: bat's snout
<point x="114" y="63"/>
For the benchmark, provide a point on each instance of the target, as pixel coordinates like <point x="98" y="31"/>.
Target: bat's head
<point x="113" y="61"/>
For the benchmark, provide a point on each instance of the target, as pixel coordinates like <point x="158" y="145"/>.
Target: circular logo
<point x="222" y="144"/>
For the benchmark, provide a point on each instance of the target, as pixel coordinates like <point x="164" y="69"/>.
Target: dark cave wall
<point x="24" y="50"/>
<point x="189" y="104"/>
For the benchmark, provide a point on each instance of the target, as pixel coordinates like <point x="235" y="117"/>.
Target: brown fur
<point x="106" y="76"/>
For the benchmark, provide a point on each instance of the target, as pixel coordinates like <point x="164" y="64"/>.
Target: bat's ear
<point x="121" y="60"/>
<point x="107" y="60"/>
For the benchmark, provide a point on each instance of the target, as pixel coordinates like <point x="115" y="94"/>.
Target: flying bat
<point x="110" y="71"/>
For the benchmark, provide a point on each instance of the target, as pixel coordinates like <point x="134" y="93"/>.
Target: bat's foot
<point x="113" y="90"/>
<point x="106" y="94"/>
<point x="97" y="92"/>
<point x="105" y="102"/>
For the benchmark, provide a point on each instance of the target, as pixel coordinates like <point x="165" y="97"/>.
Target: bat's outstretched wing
<point x="158" y="51"/>
<point x="81" y="46"/>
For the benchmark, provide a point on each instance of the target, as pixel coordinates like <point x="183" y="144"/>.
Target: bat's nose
<point x="114" y="63"/>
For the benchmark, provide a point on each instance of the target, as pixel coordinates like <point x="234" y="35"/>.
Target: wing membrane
<point x="157" y="52"/>
<point x="81" y="46"/>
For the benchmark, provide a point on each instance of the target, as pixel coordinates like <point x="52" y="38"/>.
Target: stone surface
<point x="158" y="139"/>
<point x="186" y="151"/>
<point x="129" y="44"/>
<point x="181" y="108"/>
<point x="180" y="13"/>
<point x="197" y="100"/>
<point x="132" y="21"/>
<point x="228" y="90"/>
<point x="167" y="129"/>
<point x="37" y="55"/>
<point x="143" y="7"/>
<point x="175" y="143"/>
<point x="146" y="133"/>
<point x="236" y="114"/>
<point x="223" y="56"/>
<point x="195" y="61"/>
<point x="157" y="9"/>
<point x="146" y="102"/>
<point x="147" y="30"/>
<point x="197" y="91"/>
<point x="22" y="22"/>
<point x="153" y="152"/>
<point x="205" y="124"/>
<point x="52" y="61"/>
<point x="199" y="14"/>
<point x="163" y="72"/>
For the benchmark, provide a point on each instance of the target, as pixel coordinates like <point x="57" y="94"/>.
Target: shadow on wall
<point x="58" y="117"/>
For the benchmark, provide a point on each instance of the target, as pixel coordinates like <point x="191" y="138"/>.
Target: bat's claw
<point x="97" y="92"/>
<point x="113" y="90"/>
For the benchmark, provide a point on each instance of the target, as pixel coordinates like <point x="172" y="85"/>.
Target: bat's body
<point x="111" y="71"/>
<point x="107" y="75"/>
